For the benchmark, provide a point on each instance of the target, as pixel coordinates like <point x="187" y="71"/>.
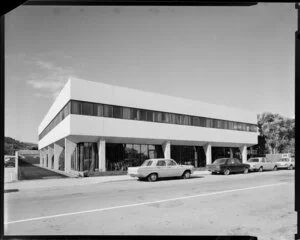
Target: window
<point x="135" y="114"/>
<point x="171" y="163"/>
<point x="215" y="123"/>
<point x="161" y="163"/>
<point x="87" y="109"/>
<point x="236" y="161"/>
<point x="127" y="113"/>
<point x="202" y="122"/>
<point x="143" y="115"/>
<point x="157" y="117"/>
<point x="98" y="110"/>
<point x="108" y="111"/>
<point x="208" y="122"/>
<point x="75" y="107"/>
<point x="117" y="112"/>
<point x="195" y="121"/>
<point x="225" y="124"/>
<point x="177" y="119"/>
<point x="172" y="118"/>
<point x="147" y="163"/>
<point x="149" y="116"/>
<point x="165" y="117"/>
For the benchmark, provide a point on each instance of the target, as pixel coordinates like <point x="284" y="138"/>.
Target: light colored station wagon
<point x="152" y="169"/>
<point x="287" y="162"/>
<point x="260" y="164"/>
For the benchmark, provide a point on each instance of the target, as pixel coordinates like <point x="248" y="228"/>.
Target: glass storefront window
<point x="144" y="152"/>
<point x="143" y="115"/>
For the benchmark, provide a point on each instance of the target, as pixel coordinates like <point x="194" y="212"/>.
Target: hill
<point x="11" y="145"/>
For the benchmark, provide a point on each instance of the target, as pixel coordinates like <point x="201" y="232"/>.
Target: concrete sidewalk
<point x="63" y="182"/>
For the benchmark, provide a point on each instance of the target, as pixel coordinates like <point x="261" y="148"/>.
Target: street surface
<point x="257" y="204"/>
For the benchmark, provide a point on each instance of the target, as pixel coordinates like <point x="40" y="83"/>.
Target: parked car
<point x="288" y="163"/>
<point x="227" y="166"/>
<point x="153" y="169"/>
<point x="260" y="164"/>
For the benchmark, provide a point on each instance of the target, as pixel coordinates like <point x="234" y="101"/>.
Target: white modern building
<point x="93" y="126"/>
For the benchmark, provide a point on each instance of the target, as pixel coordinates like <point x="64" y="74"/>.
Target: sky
<point x="242" y="57"/>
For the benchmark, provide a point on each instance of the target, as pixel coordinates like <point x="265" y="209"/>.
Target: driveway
<point x="28" y="171"/>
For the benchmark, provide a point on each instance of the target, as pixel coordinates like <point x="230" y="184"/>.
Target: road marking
<point x="144" y="203"/>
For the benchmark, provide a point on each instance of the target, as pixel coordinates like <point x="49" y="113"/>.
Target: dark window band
<point x="111" y="111"/>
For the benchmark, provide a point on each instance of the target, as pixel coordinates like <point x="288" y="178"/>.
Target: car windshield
<point x="220" y="161"/>
<point x="253" y="160"/>
<point x="147" y="163"/>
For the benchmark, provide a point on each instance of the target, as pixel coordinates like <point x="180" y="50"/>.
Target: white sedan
<point x="260" y="164"/>
<point x="152" y="169"/>
<point x="288" y="163"/>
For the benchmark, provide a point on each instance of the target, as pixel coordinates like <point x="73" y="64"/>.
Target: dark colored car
<point x="227" y="166"/>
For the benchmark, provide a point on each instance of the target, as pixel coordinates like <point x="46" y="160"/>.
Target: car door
<point x="161" y="168"/>
<point x="231" y="165"/>
<point x="238" y="166"/>
<point x="174" y="170"/>
<point x="267" y="165"/>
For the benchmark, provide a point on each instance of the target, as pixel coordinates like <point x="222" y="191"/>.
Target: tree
<point x="278" y="132"/>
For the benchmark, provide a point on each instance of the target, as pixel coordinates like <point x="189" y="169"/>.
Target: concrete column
<point x="69" y="149"/>
<point x="50" y="155"/>
<point x="45" y="157"/>
<point x="57" y="152"/>
<point x="167" y="149"/>
<point x="243" y="150"/>
<point x="41" y="157"/>
<point x="101" y="155"/>
<point x="231" y="153"/>
<point x="207" y="150"/>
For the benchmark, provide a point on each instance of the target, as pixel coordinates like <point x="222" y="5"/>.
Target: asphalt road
<point x="257" y="204"/>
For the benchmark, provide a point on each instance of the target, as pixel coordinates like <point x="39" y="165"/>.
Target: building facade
<point x="100" y="127"/>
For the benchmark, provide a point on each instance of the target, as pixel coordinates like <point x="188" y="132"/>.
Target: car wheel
<point x="227" y="172"/>
<point x="152" y="177"/>
<point x="275" y="168"/>
<point x="186" y="175"/>
<point x="260" y="169"/>
<point x="290" y="167"/>
<point x="246" y="170"/>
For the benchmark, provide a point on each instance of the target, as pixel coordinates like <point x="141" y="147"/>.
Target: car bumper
<point x="136" y="175"/>
<point x="253" y="169"/>
<point x="282" y="167"/>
